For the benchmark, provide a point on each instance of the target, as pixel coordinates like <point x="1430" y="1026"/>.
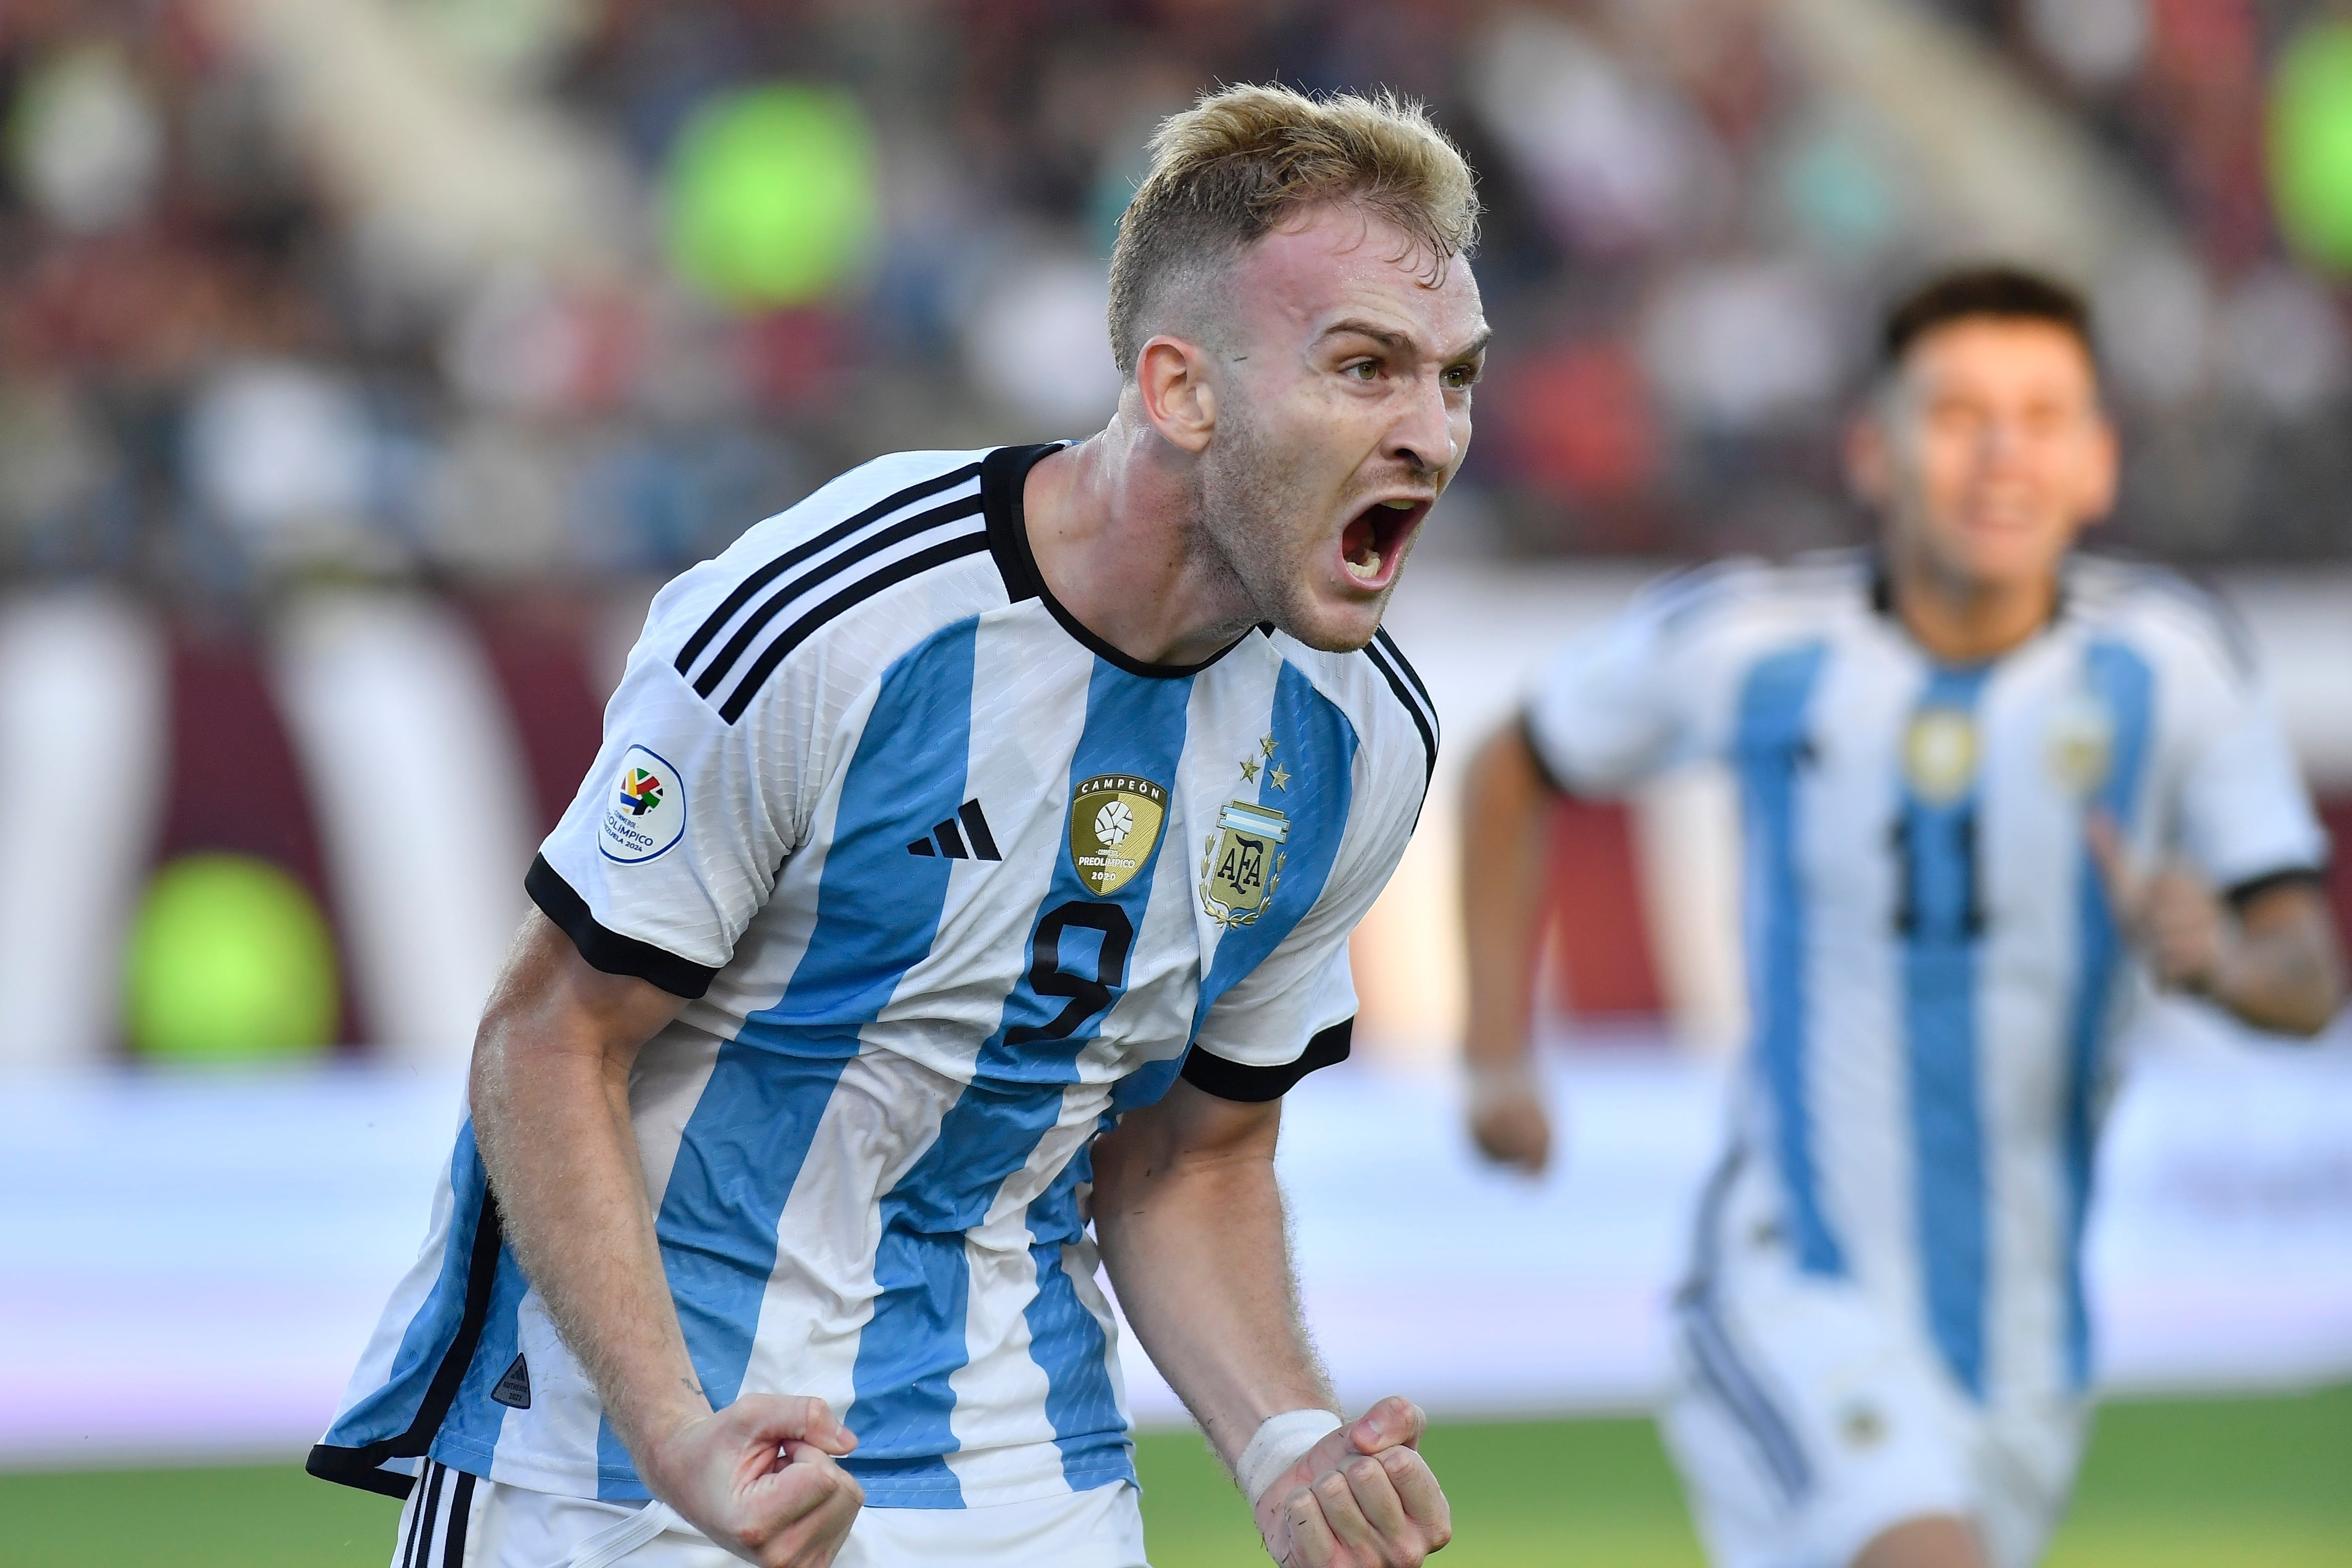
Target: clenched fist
<point x="2170" y="916"/>
<point x="758" y="1478"/>
<point x="1507" y="1117"/>
<point x="1361" y="1497"/>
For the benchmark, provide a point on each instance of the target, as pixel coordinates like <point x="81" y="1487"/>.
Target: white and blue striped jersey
<point x="1935" y="978"/>
<point x="951" y="883"/>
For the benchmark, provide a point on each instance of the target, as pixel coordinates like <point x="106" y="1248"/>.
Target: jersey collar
<point x="1003" y="476"/>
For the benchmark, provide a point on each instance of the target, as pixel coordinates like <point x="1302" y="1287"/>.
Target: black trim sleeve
<point x="609" y="950"/>
<point x="2241" y="894"/>
<point x="1211" y="1074"/>
<point x="1535" y="751"/>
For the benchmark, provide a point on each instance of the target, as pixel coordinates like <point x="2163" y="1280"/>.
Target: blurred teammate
<point x="972" y="854"/>
<point x="1986" y="787"/>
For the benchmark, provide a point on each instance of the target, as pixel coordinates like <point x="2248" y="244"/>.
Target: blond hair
<point x="1237" y="163"/>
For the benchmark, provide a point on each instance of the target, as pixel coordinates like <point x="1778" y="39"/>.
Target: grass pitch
<point x="2168" y="1485"/>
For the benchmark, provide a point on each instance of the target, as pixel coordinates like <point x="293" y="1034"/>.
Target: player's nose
<point x="1422" y="436"/>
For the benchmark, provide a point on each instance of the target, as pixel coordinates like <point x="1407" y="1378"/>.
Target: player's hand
<point x="2169" y="916"/>
<point x="759" y="1479"/>
<point x="1361" y="1497"/>
<point x="1507" y="1117"/>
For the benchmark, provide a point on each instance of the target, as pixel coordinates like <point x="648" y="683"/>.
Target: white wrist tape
<point x="1280" y="1440"/>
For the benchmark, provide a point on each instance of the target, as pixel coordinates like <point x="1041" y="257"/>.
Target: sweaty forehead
<point x="1340" y="263"/>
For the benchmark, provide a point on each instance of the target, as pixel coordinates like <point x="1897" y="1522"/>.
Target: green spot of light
<point x="230" y="961"/>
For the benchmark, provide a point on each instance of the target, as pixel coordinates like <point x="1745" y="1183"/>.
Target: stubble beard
<point x="1251" y="520"/>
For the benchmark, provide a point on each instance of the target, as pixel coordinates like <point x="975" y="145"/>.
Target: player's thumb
<point x="2117" y="872"/>
<point x="1394" y="1423"/>
<point x="788" y="1418"/>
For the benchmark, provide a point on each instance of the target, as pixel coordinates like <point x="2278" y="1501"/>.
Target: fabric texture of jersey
<point x="1936" y="980"/>
<point x="951" y="884"/>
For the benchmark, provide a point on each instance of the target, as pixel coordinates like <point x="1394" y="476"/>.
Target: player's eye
<point x="1461" y="377"/>
<point x="1363" y="369"/>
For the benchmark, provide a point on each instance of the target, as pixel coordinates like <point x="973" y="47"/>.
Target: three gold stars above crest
<point x="1277" y="774"/>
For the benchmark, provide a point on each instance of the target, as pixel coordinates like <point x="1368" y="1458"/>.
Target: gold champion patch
<point x="1113" y="826"/>
<point x="1939" y="754"/>
<point x="1242" y="862"/>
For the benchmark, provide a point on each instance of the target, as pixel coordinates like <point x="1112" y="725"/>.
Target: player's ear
<point x="2103" y="467"/>
<point x="1869" y="461"/>
<point x="1171" y="383"/>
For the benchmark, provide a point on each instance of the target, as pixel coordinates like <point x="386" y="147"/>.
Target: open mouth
<point x="1374" y="540"/>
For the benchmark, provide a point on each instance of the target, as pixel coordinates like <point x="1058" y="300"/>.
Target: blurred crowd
<point x="500" y="291"/>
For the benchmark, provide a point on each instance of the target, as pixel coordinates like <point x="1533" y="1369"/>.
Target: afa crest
<point x="1114" y="822"/>
<point x="2080" y="744"/>
<point x="1241" y="863"/>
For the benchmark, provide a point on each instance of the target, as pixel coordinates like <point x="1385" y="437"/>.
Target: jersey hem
<point x="508" y="1470"/>
<point x="608" y="950"/>
<point x="357" y="1468"/>
<point x="1251" y="1085"/>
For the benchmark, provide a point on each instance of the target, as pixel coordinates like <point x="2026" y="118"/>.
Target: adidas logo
<point x="972" y="841"/>
<point x="514" y="1389"/>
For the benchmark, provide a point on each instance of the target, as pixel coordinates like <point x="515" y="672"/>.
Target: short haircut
<point x="2006" y="293"/>
<point x="1237" y="163"/>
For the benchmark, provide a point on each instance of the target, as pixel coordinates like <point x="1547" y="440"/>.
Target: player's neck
<point x="1112" y="524"/>
<point x="1961" y="621"/>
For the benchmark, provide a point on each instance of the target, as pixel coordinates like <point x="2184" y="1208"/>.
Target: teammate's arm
<point x="2273" y="961"/>
<point x="1505" y="812"/>
<point x="551" y="1104"/>
<point x="1190" y="1218"/>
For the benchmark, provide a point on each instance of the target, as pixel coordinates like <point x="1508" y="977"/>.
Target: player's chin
<point x="1337" y="617"/>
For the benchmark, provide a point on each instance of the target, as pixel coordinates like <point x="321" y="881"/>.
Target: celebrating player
<point x="971" y="857"/>
<point x="1979" y="778"/>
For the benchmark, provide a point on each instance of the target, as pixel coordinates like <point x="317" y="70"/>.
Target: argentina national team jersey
<point x="951" y="884"/>
<point x="1935" y="982"/>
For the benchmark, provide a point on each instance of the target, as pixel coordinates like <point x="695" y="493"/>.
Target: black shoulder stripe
<point x="972" y="543"/>
<point x="865" y="549"/>
<point x="1404" y="696"/>
<point x="745" y="590"/>
<point x="1396" y="656"/>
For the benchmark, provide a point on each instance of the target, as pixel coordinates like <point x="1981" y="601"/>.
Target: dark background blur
<point x="467" y="290"/>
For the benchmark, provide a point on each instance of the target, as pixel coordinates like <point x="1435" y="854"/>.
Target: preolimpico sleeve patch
<point x="644" y="815"/>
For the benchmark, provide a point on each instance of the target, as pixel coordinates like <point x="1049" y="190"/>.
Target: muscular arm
<point x="2282" y="969"/>
<point x="550" y="1103"/>
<point x="1190" y="1218"/>
<point x="551" y="1096"/>
<point x="2276" y="963"/>
<point x="1191" y="1227"/>
<point x="1505" y="815"/>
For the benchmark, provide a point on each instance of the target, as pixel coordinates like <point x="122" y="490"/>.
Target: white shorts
<point x="1808" y="1418"/>
<point x="456" y="1521"/>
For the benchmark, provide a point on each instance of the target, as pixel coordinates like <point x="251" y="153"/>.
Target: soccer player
<point x="970" y="861"/>
<point x="1990" y="789"/>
